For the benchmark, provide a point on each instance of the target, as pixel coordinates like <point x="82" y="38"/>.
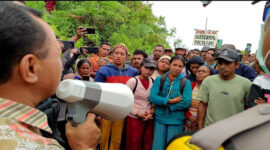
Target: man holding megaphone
<point x="30" y="72"/>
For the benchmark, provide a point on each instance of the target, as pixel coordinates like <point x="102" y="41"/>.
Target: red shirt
<point x="171" y="79"/>
<point x="145" y="83"/>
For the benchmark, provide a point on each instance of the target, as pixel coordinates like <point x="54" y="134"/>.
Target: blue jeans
<point x="163" y="133"/>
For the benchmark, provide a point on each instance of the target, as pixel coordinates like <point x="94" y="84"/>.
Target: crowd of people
<point x="184" y="90"/>
<point x="174" y="91"/>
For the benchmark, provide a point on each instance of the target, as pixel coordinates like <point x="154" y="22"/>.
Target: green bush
<point x="128" y="22"/>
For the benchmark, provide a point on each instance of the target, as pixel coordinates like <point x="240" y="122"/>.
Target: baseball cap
<point x="205" y="48"/>
<point x="168" y="49"/>
<point x="147" y="62"/>
<point x="227" y="46"/>
<point x="229" y="55"/>
<point x="181" y="48"/>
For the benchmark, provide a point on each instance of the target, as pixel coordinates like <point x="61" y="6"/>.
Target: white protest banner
<point x="205" y="38"/>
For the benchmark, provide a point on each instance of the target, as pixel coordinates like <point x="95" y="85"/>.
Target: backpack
<point x="162" y="82"/>
<point x="163" y="79"/>
<point x="137" y="84"/>
<point x="51" y="108"/>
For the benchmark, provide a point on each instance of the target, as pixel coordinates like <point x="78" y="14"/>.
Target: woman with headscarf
<point x="162" y="66"/>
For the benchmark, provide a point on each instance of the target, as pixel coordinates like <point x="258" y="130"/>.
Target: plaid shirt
<point x="20" y="127"/>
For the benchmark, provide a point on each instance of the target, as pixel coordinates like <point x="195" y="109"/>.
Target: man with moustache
<point x="116" y="72"/>
<point x="157" y="53"/>
<point x="137" y="58"/>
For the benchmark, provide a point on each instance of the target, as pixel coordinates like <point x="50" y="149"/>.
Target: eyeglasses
<point x="266" y="10"/>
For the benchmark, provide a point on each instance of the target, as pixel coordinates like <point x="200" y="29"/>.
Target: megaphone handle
<point x="76" y="113"/>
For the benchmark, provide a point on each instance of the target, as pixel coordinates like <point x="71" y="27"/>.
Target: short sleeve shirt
<point x="20" y="127"/>
<point x="224" y="98"/>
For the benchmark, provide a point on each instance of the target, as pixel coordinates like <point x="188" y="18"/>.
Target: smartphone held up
<point x="89" y="30"/>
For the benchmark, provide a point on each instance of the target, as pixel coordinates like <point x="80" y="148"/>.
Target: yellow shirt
<point x="20" y="127"/>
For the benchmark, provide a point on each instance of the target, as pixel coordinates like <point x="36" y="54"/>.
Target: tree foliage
<point x="128" y="22"/>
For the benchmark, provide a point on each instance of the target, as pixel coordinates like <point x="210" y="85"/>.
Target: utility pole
<point x="206" y="24"/>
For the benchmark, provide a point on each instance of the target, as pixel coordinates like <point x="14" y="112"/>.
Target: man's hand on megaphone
<point x="85" y="135"/>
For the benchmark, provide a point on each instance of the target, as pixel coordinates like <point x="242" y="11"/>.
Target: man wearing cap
<point x="180" y="51"/>
<point x="224" y="94"/>
<point x="117" y="72"/>
<point x="243" y="70"/>
<point x="204" y="52"/>
<point x="168" y="51"/>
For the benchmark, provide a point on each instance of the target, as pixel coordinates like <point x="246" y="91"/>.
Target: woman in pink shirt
<point x="139" y="129"/>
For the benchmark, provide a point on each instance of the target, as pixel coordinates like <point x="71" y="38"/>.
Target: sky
<point x="238" y="22"/>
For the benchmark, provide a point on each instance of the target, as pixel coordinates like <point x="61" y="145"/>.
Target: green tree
<point x="128" y="22"/>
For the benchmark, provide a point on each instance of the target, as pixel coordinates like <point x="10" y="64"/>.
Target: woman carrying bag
<point x="171" y="101"/>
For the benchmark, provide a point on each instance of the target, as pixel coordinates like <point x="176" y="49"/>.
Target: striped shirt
<point x="20" y="127"/>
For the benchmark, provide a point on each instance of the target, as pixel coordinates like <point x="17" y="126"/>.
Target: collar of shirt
<point x="24" y="113"/>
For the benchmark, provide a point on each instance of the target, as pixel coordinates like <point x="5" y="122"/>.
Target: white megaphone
<point x="112" y="101"/>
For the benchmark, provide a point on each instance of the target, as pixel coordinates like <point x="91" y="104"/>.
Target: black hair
<point x="216" y="52"/>
<point x="212" y="49"/>
<point x="79" y="64"/>
<point x="57" y="37"/>
<point x="140" y="52"/>
<point x="197" y="50"/>
<point x="105" y="43"/>
<point x="160" y="46"/>
<point x="20" y="35"/>
<point x="177" y="57"/>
